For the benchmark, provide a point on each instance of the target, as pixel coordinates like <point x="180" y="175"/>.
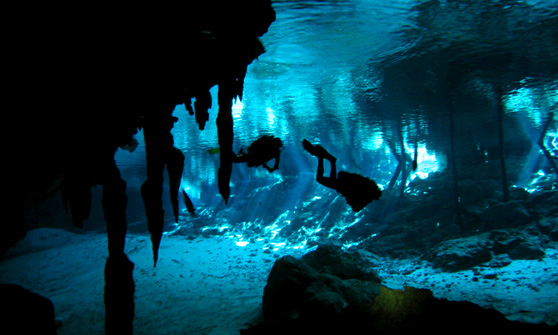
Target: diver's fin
<point x="317" y="150"/>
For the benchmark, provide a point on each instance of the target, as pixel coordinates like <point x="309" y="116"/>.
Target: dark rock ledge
<point x="331" y="292"/>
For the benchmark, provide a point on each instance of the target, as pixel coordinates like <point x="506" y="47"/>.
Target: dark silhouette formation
<point x="358" y="190"/>
<point x="90" y="90"/>
<point x="260" y="152"/>
<point x="26" y="312"/>
<point x="97" y="88"/>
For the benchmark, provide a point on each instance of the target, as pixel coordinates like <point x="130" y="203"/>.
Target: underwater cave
<point x="167" y="168"/>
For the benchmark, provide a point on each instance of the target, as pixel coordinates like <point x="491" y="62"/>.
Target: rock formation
<point x="101" y="74"/>
<point x="331" y="292"/>
<point x="24" y="312"/>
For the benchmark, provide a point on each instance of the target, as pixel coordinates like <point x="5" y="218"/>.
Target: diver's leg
<point x="317" y="150"/>
<point x="326" y="181"/>
<point x="320" y="173"/>
<point x="277" y="158"/>
<point x="333" y="172"/>
<point x="308" y="147"/>
<point x="275" y="166"/>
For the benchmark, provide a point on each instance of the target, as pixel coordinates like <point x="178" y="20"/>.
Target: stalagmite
<point x="119" y="281"/>
<point x="119" y="295"/>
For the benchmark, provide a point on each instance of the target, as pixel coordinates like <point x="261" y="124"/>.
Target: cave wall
<point x="86" y="80"/>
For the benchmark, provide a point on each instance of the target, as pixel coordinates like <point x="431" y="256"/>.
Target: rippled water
<point x="371" y="79"/>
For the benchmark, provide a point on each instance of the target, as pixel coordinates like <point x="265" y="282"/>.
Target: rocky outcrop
<point x="549" y="227"/>
<point x="460" y="254"/>
<point x="324" y="282"/>
<point x="308" y="296"/>
<point x="25" y="312"/>
<point x="424" y="217"/>
<point x="97" y="87"/>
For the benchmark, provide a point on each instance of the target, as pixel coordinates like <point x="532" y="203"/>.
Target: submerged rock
<point x="302" y="299"/>
<point x="25" y="312"/>
<point x="530" y="249"/>
<point x="460" y="254"/>
<point x="331" y="260"/>
<point x="544" y="203"/>
<point x="317" y="283"/>
<point x="518" y="244"/>
<point x="549" y="227"/>
<point x="506" y="215"/>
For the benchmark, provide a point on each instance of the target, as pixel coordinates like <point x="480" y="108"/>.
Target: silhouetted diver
<point x="261" y="151"/>
<point x="359" y="191"/>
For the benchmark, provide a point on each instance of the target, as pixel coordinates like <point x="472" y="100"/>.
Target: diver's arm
<point x="241" y="157"/>
<point x="270" y="169"/>
<point x="330" y="181"/>
<point x="276" y="166"/>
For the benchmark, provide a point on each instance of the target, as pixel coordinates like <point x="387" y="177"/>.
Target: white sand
<point x="212" y="286"/>
<point x="525" y="291"/>
<point x="200" y="286"/>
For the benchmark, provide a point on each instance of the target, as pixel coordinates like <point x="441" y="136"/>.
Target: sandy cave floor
<point x="213" y="286"/>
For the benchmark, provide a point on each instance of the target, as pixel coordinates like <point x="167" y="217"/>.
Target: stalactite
<point x="175" y="167"/>
<point x="151" y="192"/>
<point x="501" y="154"/>
<point x="222" y="41"/>
<point x="160" y="152"/>
<point x="201" y="105"/>
<point x="225" y="134"/>
<point x="453" y="160"/>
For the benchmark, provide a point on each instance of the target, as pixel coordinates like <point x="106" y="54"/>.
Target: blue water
<point x="369" y="80"/>
<point x="468" y="89"/>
